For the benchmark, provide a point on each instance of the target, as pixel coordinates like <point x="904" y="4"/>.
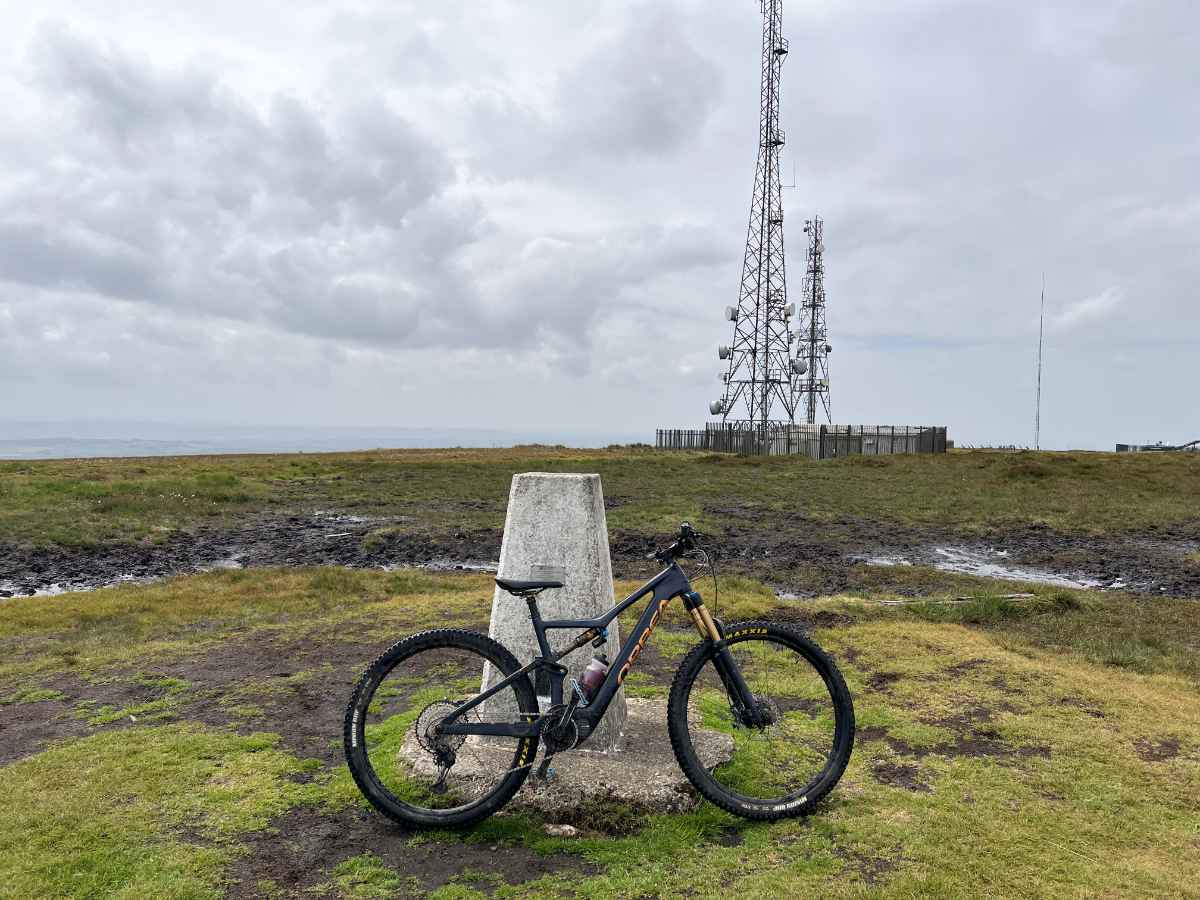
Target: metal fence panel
<point x="816" y="441"/>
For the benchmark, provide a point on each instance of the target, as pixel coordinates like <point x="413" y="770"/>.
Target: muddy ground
<point x="298" y="687"/>
<point x="797" y="555"/>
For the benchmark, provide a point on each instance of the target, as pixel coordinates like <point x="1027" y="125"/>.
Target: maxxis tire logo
<point x="743" y="632"/>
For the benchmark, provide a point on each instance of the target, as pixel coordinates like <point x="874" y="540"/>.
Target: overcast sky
<point x="529" y="214"/>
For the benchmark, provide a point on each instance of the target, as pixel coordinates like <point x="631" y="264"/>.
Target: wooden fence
<point x="816" y="441"/>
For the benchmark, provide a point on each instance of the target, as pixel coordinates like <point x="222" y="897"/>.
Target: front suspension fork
<point x="738" y="691"/>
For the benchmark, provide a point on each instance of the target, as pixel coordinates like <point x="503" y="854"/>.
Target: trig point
<point x="556" y="524"/>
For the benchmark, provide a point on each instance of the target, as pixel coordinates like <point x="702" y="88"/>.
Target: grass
<point x="87" y="502"/>
<point x="89" y="632"/>
<point x="365" y="877"/>
<point x="1040" y="747"/>
<point x="105" y="815"/>
<point x="34" y="695"/>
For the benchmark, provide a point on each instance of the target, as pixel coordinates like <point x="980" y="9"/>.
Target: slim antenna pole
<point x="1037" y="418"/>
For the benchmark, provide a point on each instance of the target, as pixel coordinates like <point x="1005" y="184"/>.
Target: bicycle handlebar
<point x="685" y="542"/>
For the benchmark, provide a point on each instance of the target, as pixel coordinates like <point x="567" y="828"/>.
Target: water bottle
<point x="593" y="675"/>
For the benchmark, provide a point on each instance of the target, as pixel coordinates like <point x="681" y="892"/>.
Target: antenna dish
<point x="731" y="313"/>
<point x="789" y="310"/>
<point x="829" y="348"/>
<point x="724" y="352"/>
<point x="716" y="407"/>
<point x="799" y="366"/>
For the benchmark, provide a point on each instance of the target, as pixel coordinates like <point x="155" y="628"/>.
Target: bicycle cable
<point x="712" y="569"/>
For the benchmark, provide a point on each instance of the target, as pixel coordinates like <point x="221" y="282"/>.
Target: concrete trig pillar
<point x="556" y="522"/>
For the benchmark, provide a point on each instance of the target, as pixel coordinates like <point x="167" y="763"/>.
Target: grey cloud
<point x="282" y="216"/>
<point x="644" y="90"/>
<point x="336" y="224"/>
<point x="34" y="253"/>
<point x="545" y="203"/>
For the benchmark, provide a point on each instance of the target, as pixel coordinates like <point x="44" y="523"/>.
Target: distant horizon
<point x="100" y="438"/>
<point x="97" y="437"/>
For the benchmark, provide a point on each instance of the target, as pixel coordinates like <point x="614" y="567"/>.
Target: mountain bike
<point x="444" y="727"/>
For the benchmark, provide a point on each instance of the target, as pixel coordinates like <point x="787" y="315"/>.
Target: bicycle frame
<point x="664" y="587"/>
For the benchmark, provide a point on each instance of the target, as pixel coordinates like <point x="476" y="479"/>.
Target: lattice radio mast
<point x="812" y="388"/>
<point x="761" y="367"/>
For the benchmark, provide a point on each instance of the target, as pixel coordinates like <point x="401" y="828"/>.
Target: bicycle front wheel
<point x="403" y="764"/>
<point x="781" y="768"/>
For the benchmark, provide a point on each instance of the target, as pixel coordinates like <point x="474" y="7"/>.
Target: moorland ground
<point x="806" y="527"/>
<point x="181" y="738"/>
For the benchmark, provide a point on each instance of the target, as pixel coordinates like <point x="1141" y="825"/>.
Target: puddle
<point x="230" y="562"/>
<point x="454" y="565"/>
<point x="992" y="564"/>
<point x="326" y="516"/>
<point x="886" y="561"/>
<point x="10" y="589"/>
<point x="987" y="564"/>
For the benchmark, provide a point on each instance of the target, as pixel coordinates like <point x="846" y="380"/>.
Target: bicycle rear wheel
<point x="781" y="769"/>
<point x="404" y="767"/>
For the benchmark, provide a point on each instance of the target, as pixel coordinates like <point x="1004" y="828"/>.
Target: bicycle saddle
<point x="514" y="586"/>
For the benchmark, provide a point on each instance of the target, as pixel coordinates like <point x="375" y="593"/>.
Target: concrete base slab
<point x="641" y="770"/>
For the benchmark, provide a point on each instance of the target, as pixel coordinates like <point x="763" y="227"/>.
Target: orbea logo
<point x="637" y="649"/>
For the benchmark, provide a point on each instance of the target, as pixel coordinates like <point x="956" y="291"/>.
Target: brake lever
<point x="665" y="556"/>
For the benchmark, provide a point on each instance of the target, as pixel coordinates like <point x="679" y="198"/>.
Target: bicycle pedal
<point x="545" y="771"/>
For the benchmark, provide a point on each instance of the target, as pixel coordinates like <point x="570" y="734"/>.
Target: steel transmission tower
<point x="761" y="367"/>
<point x="811" y="388"/>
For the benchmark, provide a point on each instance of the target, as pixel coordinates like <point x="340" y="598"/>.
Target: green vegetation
<point x="33" y="695"/>
<point x="162" y="706"/>
<point x="365" y="877"/>
<point x="1042" y="746"/>
<point x="136" y="624"/>
<point x="102" y="816"/>
<point x="81" y="502"/>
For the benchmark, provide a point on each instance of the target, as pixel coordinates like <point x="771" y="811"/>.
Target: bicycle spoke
<point x="776" y="761"/>
<point x="407" y="754"/>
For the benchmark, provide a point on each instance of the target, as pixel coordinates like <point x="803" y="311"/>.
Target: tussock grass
<point x="81" y="502"/>
<point x="131" y="624"/>
<point x="1129" y="631"/>
<point x="103" y="816"/>
<point x="1047" y="746"/>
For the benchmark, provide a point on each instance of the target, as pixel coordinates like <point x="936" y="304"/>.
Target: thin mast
<point x="1037" y="418"/>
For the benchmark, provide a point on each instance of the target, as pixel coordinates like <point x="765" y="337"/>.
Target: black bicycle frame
<point x="668" y="584"/>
